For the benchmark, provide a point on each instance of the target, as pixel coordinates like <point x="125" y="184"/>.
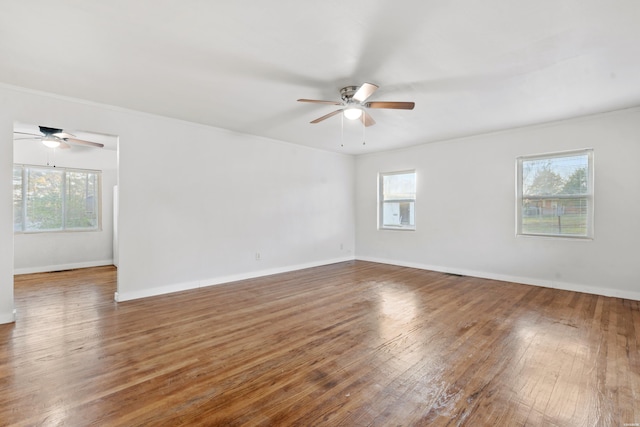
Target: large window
<point x="397" y="200"/>
<point x="55" y="199"/>
<point x="555" y="194"/>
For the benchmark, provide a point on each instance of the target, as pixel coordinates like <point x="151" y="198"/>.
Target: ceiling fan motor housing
<point x="49" y="131"/>
<point x="347" y="92"/>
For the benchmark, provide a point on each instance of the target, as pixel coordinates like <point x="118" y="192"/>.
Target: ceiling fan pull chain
<point x="363" y="128"/>
<point x="51" y="157"/>
<point x="341" y="130"/>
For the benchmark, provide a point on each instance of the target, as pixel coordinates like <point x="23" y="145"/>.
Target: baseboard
<point x="565" y="286"/>
<point x="8" y="317"/>
<point x="184" y="286"/>
<point x="61" y="267"/>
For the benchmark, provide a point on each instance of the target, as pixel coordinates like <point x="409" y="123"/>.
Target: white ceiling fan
<point x="354" y="104"/>
<point x="55" y="138"/>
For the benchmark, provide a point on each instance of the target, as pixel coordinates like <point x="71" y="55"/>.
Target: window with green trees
<point x="55" y="199"/>
<point x="555" y="194"/>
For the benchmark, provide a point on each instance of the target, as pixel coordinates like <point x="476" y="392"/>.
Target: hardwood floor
<point x="350" y="344"/>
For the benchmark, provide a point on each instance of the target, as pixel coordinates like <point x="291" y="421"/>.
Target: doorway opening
<point x="64" y="199"/>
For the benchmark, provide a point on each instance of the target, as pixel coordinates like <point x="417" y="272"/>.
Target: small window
<point x="397" y="200"/>
<point x="55" y="199"/>
<point x="555" y="195"/>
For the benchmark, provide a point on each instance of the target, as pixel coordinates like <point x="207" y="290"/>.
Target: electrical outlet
<point x="257" y="256"/>
<point x="341" y="246"/>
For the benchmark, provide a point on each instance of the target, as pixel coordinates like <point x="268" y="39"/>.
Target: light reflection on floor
<point x="398" y="307"/>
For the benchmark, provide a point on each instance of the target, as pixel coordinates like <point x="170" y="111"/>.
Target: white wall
<point x="196" y="203"/>
<point x="38" y="252"/>
<point x="6" y="216"/>
<point x="465" y="209"/>
<point x="205" y="201"/>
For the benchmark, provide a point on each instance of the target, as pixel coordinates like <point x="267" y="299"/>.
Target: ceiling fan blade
<point x="27" y="137"/>
<point x="64" y="135"/>
<point x="367" y="120"/>
<point x="35" y="135"/>
<point x="83" y="142"/>
<point x="63" y="145"/>
<point x="326" y="116"/>
<point x="317" y="101"/>
<point x="364" y="92"/>
<point x="392" y="105"/>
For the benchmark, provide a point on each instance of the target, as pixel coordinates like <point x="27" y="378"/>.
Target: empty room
<point x="362" y="213"/>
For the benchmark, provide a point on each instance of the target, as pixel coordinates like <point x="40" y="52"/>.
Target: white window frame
<point x="589" y="195"/>
<point x="381" y="201"/>
<point x="65" y="228"/>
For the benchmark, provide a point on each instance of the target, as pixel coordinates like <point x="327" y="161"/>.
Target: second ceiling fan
<point x="55" y="138"/>
<point x="354" y="104"/>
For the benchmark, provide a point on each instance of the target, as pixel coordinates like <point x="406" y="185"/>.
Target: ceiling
<point x="470" y="67"/>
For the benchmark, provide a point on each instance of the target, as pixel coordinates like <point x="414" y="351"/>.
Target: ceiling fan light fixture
<point x="352" y="113"/>
<point x="51" y="141"/>
<point x="354" y="104"/>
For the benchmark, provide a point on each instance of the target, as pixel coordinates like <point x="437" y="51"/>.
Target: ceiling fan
<point x="353" y="104"/>
<point x="56" y="138"/>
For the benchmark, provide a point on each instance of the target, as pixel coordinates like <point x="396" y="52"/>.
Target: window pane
<point x="397" y="200"/>
<point x="82" y="199"/>
<point x="555" y="194"/>
<point x="564" y="217"/>
<point x="399" y="186"/>
<point x="54" y="199"/>
<point x="17" y="199"/>
<point x="44" y="199"/>
<point x="398" y="214"/>
<point x="557" y="175"/>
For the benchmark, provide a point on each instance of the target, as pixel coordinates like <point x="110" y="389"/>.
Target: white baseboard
<point x="177" y="287"/>
<point x="565" y="286"/>
<point x="61" y="267"/>
<point x="8" y="317"/>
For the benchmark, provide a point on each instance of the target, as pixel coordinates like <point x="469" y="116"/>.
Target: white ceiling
<point x="470" y="66"/>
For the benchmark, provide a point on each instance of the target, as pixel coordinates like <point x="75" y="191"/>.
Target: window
<point x="55" y="199"/>
<point x="555" y="194"/>
<point x="397" y="200"/>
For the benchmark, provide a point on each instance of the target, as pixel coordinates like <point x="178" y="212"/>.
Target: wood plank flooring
<point x="349" y="344"/>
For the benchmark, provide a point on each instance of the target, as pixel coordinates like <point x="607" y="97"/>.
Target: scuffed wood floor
<point x="349" y="344"/>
